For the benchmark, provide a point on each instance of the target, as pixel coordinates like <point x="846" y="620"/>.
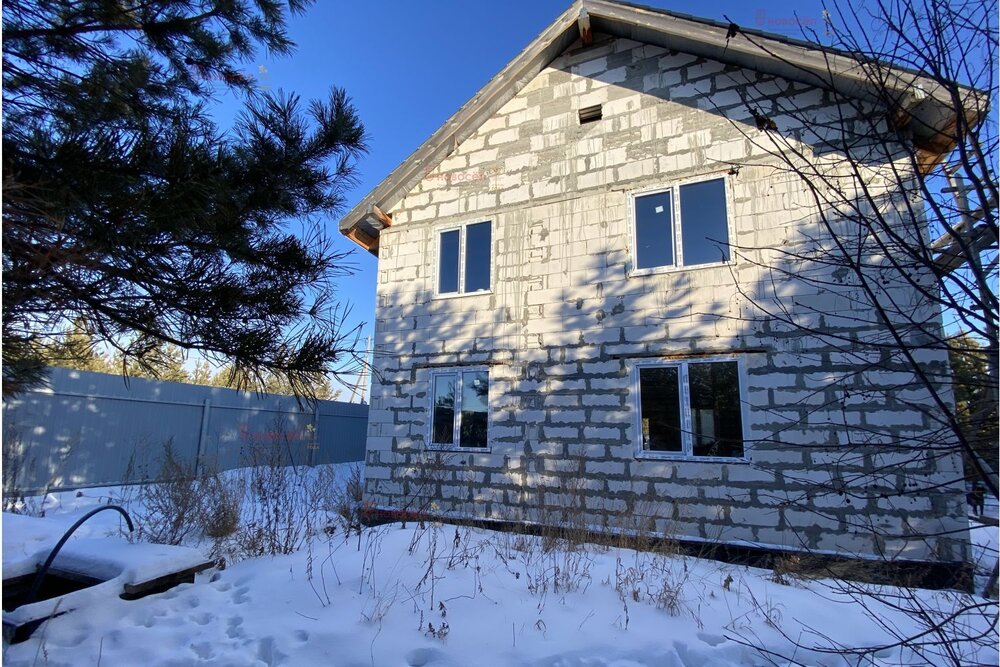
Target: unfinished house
<point x="569" y="321"/>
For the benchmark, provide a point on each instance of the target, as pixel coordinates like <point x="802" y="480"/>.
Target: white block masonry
<point x="564" y="322"/>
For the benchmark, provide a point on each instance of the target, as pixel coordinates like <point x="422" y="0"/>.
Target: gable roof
<point x="793" y="59"/>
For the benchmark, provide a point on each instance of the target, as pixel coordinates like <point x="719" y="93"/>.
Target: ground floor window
<point x="691" y="408"/>
<point x="460" y="408"/>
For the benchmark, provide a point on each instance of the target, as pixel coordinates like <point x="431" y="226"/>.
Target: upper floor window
<point x="464" y="259"/>
<point x="683" y="225"/>
<point x="460" y="408"/>
<point x="691" y="408"/>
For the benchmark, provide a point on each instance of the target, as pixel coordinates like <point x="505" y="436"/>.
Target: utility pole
<point x="362" y="384"/>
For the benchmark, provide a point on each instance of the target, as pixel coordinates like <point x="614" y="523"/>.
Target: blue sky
<point x="408" y="66"/>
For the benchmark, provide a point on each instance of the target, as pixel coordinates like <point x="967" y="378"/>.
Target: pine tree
<point x="162" y="361"/>
<point x="977" y="413"/>
<point x="76" y="349"/>
<point x="124" y="204"/>
<point x="223" y="378"/>
<point x="202" y="373"/>
<point x="319" y="385"/>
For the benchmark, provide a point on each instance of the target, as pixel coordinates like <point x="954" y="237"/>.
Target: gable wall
<point x="564" y="322"/>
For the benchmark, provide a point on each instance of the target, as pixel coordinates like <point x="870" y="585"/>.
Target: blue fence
<point x="92" y="429"/>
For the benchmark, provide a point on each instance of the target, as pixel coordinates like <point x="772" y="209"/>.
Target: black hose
<point x="37" y="584"/>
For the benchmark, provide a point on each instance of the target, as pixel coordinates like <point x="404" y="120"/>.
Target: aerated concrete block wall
<point x="564" y="324"/>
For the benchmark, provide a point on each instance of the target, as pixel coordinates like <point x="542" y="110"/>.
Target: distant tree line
<point x="78" y="349"/>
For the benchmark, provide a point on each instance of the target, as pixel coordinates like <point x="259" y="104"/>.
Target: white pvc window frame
<point x="684" y="394"/>
<point x="456" y="443"/>
<point x="461" y="259"/>
<point x="674" y="188"/>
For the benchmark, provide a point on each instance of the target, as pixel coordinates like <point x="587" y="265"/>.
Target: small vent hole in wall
<point x="590" y="114"/>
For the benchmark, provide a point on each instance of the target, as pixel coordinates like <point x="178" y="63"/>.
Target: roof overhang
<point x="924" y="106"/>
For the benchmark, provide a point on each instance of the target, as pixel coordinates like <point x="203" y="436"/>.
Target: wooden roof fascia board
<point x="583" y="23"/>
<point x="384" y="218"/>
<point x="374" y="220"/>
<point x="363" y="239"/>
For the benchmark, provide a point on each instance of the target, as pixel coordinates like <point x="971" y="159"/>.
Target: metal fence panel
<point x="92" y="429"/>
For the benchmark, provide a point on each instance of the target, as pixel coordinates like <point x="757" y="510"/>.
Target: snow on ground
<point x="142" y="561"/>
<point x="114" y="562"/>
<point x="985" y="538"/>
<point x="437" y="596"/>
<point x="991" y="507"/>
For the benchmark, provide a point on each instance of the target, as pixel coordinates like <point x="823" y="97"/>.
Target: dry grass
<point x="221" y="501"/>
<point x="168" y="511"/>
<point x="18" y="462"/>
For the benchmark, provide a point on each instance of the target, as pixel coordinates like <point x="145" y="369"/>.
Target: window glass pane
<point x="477" y="257"/>
<point x="716" y="418"/>
<point x="660" y="409"/>
<point x="448" y="263"/>
<point x="654" y="234"/>
<point x="704" y="229"/>
<point x="443" y="429"/>
<point x="475" y="408"/>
